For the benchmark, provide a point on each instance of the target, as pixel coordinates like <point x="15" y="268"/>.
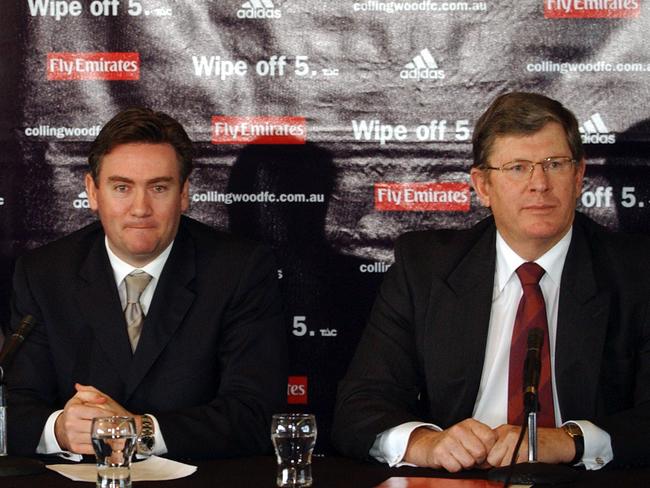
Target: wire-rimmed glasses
<point x="522" y="169"/>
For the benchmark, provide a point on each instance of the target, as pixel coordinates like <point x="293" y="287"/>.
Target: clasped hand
<point x="472" y="444"/>
<point x="72" y="427"/>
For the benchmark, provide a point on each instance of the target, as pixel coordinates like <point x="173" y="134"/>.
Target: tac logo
<point x="258" y="9"/>
<point x="81" y="201"/>
<point x="297" y="390"/>
<point x="423" y="67"/>
<point x="592" y="9"/>
<point x="594" y="131"/>
<point x="93" y="66"/>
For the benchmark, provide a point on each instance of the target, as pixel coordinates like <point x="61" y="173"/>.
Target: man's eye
<point x="120" y="188"/>
<point x="159" y="188"/>
<point x="518" y="168"/>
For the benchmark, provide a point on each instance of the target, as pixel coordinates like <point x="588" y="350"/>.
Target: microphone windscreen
<point x="535" y="338"/>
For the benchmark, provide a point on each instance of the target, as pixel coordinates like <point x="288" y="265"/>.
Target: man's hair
<point x="520" y="113"/>
<point x="141" y="125"/>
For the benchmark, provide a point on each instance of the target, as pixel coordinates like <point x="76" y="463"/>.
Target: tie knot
<point x="530" y="273"/>
<point x="136" y="282"/>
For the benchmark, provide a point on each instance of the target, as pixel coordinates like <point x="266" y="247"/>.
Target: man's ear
<point x="185" y="195"/>
<point x="91" y="191"/>
<point x="481" y="183"/>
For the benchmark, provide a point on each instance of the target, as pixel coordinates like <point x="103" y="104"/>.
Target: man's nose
<point x="140" y="206"/>
<point x="539" y="180"/>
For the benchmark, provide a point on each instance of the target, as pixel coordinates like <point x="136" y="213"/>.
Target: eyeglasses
<point x="521" y="169"/>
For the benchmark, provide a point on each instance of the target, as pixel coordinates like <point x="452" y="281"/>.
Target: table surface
<point x="328" y="472"/>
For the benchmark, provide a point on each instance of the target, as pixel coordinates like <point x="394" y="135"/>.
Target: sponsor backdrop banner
<point x="324" y="129"/>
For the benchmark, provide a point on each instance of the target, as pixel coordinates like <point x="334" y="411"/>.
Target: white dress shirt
<point x="491" y="407"/>
<point x="48" y="443"/>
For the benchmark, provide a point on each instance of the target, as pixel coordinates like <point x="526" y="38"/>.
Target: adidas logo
<point x="81" y="201"/>
<point x="594" y="131"/>
<point x="258" y="9"/>
<point x="423" y="66"/>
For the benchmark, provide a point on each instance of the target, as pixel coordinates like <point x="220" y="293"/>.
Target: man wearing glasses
<point x="437" y="378"/>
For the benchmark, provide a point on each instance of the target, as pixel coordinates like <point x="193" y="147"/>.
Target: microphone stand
<point x="532" y="437"/>
<point x="12" y="465"/>
<point x="533" y="472"/>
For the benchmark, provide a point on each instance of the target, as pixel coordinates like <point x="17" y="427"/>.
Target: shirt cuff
<point x="598" y="445"/>
<point x="390" y="446"/>
<point x="159" y="447"/>
<point x="48" y="443"/>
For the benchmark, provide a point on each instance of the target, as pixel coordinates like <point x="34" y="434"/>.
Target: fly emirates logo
<point x="297" y="390"/>
<point x="425" y="196"/>
<point x="258" y="130"/>
<point x="591" y="9"/>
<point x="93" y="66"/>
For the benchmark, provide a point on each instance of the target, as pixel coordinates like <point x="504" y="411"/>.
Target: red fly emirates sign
<point x="258" y="130"/>
<point x="422" y="197"/>
<point x="93" y="66"/>
<point x="591" y="9"/>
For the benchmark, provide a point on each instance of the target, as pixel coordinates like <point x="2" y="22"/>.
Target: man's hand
<point x="554" y="446"/>
<point x="92" y="396"/>
<point x="464" y="445"/>
<point x="72" y="427"/>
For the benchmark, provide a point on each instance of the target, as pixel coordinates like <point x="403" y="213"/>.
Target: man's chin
<point x="546" y="231"/>
<point x="141" y="255"/>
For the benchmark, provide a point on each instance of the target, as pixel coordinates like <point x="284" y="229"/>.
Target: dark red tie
<point x="530" y="314"/>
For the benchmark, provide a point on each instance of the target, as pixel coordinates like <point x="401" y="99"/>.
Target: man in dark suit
<point x="149" y="314"/>
<point x="430" y="381"/>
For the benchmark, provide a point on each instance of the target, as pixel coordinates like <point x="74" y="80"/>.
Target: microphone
<point x="532" y="368"/>
<point x="14" y="342"/>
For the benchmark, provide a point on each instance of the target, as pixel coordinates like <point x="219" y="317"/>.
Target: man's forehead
<point x="142" y="145"/>
<point x="508" y="140"/>
<point x="140" y="159"/>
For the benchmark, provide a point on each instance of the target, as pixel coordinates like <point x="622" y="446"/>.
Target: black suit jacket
<point x="421" y="355"/>
<point x="211" y="361"/>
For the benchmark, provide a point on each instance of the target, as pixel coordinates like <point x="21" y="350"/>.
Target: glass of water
<point x="114" y="440"/>
<point x="294" y="437"/>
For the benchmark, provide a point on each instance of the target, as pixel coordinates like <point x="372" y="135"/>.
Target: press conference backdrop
<point x="324" y="129"/>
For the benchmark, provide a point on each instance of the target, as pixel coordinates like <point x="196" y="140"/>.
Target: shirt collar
<point x="552" y="261"/>
<point x="121" y="268"/>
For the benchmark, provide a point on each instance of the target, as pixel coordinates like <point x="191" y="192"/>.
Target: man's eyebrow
<point x="160" y="179"/>
<point x="124" y="179"/>
<point x="118" y="178"/>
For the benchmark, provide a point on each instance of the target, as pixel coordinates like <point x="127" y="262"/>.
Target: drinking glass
<point x="114" y="440"/>
<point x="294" y="437"/>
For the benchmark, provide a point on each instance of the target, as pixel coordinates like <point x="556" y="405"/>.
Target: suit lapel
<point x="458" y="329"/>
<point x="581" y="330"/>
<point x="172" y="299"/>
<point x="99" y="305"/>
